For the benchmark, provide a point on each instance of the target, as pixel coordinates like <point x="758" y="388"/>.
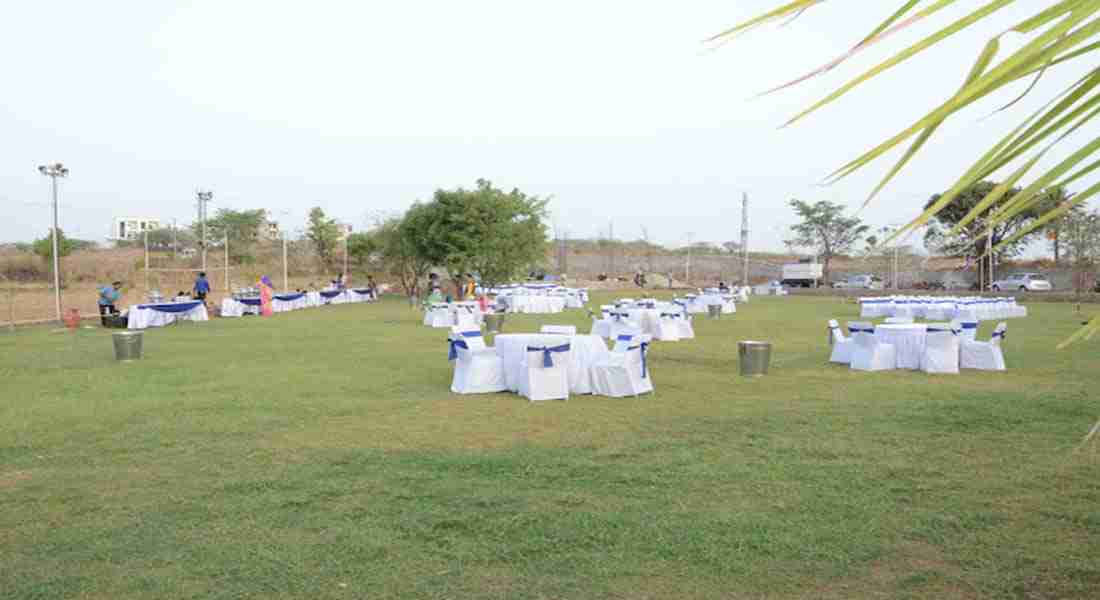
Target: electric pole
<point x="53" y="172"/>
<point x="204" y="198"/>
<point x="745" y="238"/>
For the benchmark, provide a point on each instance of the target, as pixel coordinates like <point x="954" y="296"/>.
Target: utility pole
<point x="53" y="172"/>
<point x="286" y="281"/>
<point x="745" y="238"/>
<point x="204" y="198"/>
<point x="611" y="246"/>
<point x="175" y="241"/>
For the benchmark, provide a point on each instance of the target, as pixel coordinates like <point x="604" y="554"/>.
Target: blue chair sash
<point x="547" y="353"/>
<point x="970" y="325"/>
<point x="455" y="345"/>
<point x="470" y="334"/>
<point x="644" y="347"/>
<point x="1000" y="334"/>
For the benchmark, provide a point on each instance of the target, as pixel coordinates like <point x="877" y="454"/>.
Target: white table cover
<point x="232" y="307"/>
<point x="908" y="339"/>
<point x="584" y="351"/>
<point x="533" y="304"/>
<point x="142" y="316"/>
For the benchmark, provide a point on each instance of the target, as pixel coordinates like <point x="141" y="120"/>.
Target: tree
<point x="164" y="238"/>
<point x="240" y="227"/>
<point x="44" y="246"/>
<point x="1053" y="36"/>
<point x="825" y="230"/>
<point x="1080" y="231"/>
<point x="972" y="237"/>
<point x="324" y="233"/>
<point x="486" y="231"/>
<point x="363" y="248"/>
<point x="401" y="249"/>
<point x="1056" y="197"/>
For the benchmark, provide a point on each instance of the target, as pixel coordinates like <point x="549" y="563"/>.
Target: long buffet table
<point x="238" y="307"/>
<point x="142" y="316"/>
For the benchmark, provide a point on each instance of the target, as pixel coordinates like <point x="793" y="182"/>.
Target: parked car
<point x="1024" y="282"/>
<point x="861" y="282"/>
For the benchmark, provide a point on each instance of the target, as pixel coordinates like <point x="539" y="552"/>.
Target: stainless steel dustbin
<point x="714" y="311"/>
<point x="494" y="322"/>
<point x="127" y="345"/>
<point x="754" y="357"/>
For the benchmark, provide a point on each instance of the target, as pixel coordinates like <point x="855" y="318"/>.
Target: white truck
<point x="802" y="274"/>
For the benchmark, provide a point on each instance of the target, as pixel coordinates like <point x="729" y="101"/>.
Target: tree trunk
<point x="825" y="270"/>
<point x="1057" y="248"/>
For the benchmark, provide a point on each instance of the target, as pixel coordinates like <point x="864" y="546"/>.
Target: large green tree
<point x="44" y="246"/>
<point x="324" y="233"/>
<point x="1051" y="36"/>
<point x="399" y="243"/>
<point x="825" y="229"/>
<point x="1080" y="232"/>
<point x="240" y="227"/>
<point x="486" y="231"/>
<point x="971" y="229"/>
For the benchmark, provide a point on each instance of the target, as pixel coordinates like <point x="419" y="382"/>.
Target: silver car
<point x="1024" y="282"/>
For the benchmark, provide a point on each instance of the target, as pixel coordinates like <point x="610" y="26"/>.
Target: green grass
<point x="319" y="455"/>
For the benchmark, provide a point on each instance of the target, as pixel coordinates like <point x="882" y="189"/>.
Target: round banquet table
<point x="584" y="351"/>
<point x="907" y="339"/>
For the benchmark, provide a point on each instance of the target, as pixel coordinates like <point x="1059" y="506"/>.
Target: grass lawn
<point x="319" y="454"/>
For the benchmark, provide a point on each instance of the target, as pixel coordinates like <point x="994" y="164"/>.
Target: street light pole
<point x="286" y="280"/>
<point x="53" y="172"/>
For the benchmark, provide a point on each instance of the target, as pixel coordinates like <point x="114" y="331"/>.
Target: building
<point x="345" y="230"/>
<point x="270" y="232"/>
<point x="132" y="228"/>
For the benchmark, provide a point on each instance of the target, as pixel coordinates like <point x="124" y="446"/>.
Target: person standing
<point x="201" y="288"/>
<point x="108" y="295"/>
<point x="267" y="291"/>
<point x="471" y="287"/>
<point x="372" y="287"/>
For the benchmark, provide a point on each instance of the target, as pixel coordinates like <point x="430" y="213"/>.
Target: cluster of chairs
<point x="479" y="369"/>
<point x="936" y="308"/>
<point x="461" y="314"/>
<point x="948" y="347"/>
<point x="673" y="323"/>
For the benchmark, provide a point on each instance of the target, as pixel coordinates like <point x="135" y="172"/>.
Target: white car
<point x="861" y="282"/>
<point x="1024" y="282"/>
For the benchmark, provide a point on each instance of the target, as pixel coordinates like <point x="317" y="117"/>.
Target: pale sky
<point x="614" y="108"/>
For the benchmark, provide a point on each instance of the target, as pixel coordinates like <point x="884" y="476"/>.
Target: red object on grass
<point x="72" y="318"/>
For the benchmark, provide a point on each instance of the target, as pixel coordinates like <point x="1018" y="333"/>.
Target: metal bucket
<point x="714" y="311"/>
<point x="127" y="345"/>
<point x="494" y="322"/>
<point x="754" y="357"/>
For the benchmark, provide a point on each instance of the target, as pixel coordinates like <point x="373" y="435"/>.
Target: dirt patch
<point x="912" y="568"/>
<point x="13" y="478"/>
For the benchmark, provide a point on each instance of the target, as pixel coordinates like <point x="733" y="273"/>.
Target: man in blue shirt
<point x="201" y="289"/>
<point x="108" y="295"/>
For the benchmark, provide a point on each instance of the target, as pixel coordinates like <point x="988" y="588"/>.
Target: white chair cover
<point x="668" y="327"/>
<point x="478" y="369"/>
<point x="898" y="320"/>
<point x="842" y="346"/>
<point x="986" y="356"/>
<point x="559" y="329"/>
<point x="941" y="349"/>
<point x="545" y="373"/>
<point x="626" y="372"/>
<point x="868" y="354"/>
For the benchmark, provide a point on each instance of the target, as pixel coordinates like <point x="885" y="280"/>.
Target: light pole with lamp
<point x="53" y="172"/>
<point x="690" y="237"/>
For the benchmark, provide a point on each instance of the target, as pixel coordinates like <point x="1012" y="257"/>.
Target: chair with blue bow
<point x="545" y="372"/>
<point x="601" y="323"/>
<point x="842" y="346"/>
<point x="668" y="326"/>
<point x="967" y="328"/>
<point x="626" y="371"/>
<point x="478" y="368"/>
<point x="869" y="354"/>
<point x="941" y="349"/>
<point x="985" y="356"/>
<point x="622" y="324"/>
<point x="439" y="315"/>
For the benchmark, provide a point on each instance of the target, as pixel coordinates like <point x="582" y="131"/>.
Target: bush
<point x="23" y="267"/>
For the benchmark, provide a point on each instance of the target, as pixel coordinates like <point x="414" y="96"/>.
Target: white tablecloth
<point x="142" y="316"/>
<point x="584" y="351"/>
<point x="235" y="308"/>
<point x="908" y="339"/>
<point x="533" y="304"/>
<point x="289" y="302"/>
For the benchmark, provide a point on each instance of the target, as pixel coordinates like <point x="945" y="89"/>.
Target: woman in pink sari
<point x="266" y="292"/>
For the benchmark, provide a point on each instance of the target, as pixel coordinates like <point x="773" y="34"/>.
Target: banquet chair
<point x="478" y="369"/>
<point x="601" y="324"/>
<point x="559" y="329"/>
<point x="668" y="327"/>
<point x="439" y="316"/>
<point x="967" y="328"/>
<point x="842" y="346"/>
<point x="941" y="349"/>
<point x="868" y="354"/>
<point x="898" y="321"/>
<point x="545" y="373"/>
<point x="985" y="356"/>
<point x="626" y="371"/>
<point x="621" y="323"/>
<point x="687" y="330"/>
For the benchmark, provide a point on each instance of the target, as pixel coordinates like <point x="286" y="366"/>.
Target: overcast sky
<point x="614" y="108"/>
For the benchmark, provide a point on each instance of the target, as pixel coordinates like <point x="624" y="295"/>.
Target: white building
<point x="132" y="228"/>
<point x="344" y="229"/>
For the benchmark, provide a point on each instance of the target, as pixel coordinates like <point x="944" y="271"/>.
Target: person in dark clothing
<point x="201" y="288"/>
<point x="108" y="295"/>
